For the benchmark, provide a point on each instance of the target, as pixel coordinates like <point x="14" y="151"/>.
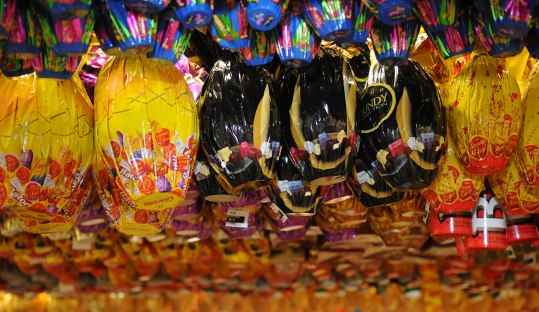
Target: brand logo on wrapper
<point x="379" y="102"/>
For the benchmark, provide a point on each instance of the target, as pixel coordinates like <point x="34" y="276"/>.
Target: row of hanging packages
<point x="326" y="134"/>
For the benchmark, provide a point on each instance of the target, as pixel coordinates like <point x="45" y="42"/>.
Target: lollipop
<point x="363" y="21"/>
<point x="229" y="27"/>
<point x="297" y="44"/>
<point x="171" y="41"/>
<point x="147" y="6"/>
<point x="485" y="116"/>
<point x="47" y="161"/>
<point x="403" y="124"/>
<point x="240" y="127"/>
<point x="509" y="18"/>
<point x="496" y="44"/>
<point x="394" y="42"/>
<point x="390" y="12"/>
<point x="330" y="19"/>
<point x="261" y="49"/>
<point x="194" y="13"/>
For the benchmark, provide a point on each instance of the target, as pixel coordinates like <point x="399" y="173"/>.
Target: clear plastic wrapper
<point x="391" y="12"/>
<point x="147" y="138"/>
<point x="261" y="48"/>
<point x="394" y="42"/>
<point x="321" y="104"/>
<point x="229" y="27"/>
<point x="240" y="124"/>
<point x="47" y="146"/>
<point x="484" y="116"/>
<point x="297" y="44"/>
<point x="264" y="15"/>
<point x="330" y="19"/>
<point x="402" y="122"/>
<point x="194" y="13"/>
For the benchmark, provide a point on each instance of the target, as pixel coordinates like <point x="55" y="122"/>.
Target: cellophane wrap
<point x="321" y="102"/>
<point x="528" y="149"/>
<point x="146" y="138"/>
<point x="240" y="124"/>
<point x="401" y="119"/>
<point x="46" y="151"/>
<point x="484" y="116"/>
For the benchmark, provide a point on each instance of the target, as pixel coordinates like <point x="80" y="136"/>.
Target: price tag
<point x="237" y="218"/>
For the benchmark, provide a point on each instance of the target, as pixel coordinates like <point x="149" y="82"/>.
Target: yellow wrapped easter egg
<point x="46" y="148"/>
<point x="146" y="140"/>
<point x="528" y="150"/>
<point x="484" y="115"/>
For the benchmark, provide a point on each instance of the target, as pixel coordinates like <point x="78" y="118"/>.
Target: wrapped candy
<point x="47" y="148"/>
<point x="147" y="6"/>
<point x="340" y="220"/>
<point x="330" y="19"/>
<point x="143" y="257"/>
<point x="171" y="41"/>
<point x="49" y="64"/>
<point x="403" y="124"/>
<point x="264" y="15"/>
<point x="451" y="198"/>
<point x="394" y="42"/>
<point x="362" y="24"/>
<point x="509" y="18"/>
<point x="321" y="105"/>
<point x="65" y="9"/>
<point x="518" y="199"/>
<point x="484" y="116"/>
<point x="391" y="12"/>
<point x="147" y="138"/>
<point x="297" y="44"/>
<point x="488" y="226"/>
<point x="92" y="218"/>
<point x="229" y="27"/>
<point x="528" y="149"/>
<point x="261" y="49"/>
<point x="240" y="125"/>
<point x="455" y="39"/>
<point x="239" y="219"/>
<point x="400" y="224"/>
<point x="194" y="13"/>
<point x="130" y="29"/>
<point x="496" y="44"/>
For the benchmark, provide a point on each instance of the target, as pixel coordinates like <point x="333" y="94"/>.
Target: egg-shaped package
<point x="528" y="149"/>
<point x="146" y="132"/>
<point x="46" y="148"/>
<point x="401" y="119"/>
<point x="321" y="104"/>
<point x="484" y="116"/>
<point x="240" y="124"/>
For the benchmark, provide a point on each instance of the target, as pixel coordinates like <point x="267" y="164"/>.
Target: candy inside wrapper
<point x="47" y="161"/>
<point x="394" y="42"/>
<point x="147" y="136"/>
<point x="330" y="19"/>
<point x="261" y="48"/>
<point x="230" y="27"/>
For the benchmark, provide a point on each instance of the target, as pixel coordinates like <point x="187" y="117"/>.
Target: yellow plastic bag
<point x="528" y="150"/>
<point x="484" y="116"/>
<point x="46" y="148"/>
<point x="146" y="140"/>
